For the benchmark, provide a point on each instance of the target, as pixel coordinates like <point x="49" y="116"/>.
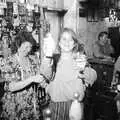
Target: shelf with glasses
<point x="58" y="10"/>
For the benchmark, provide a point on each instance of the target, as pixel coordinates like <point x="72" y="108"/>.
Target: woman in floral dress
<point x="21" y="72"/>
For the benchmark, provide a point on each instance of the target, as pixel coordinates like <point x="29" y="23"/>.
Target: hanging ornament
<point x="1" y="11"/>
<point x="36" y="8"/>
<point x="15" y="9"/>
<point x="49" y="45"/>
<point x="47" y="114"/>
<point x="29" y="7"/>
<point x="3" y="4"/>
<point x="113" y="15"/>
<point x="22" y="1"/>
<point x="76" y="112"/>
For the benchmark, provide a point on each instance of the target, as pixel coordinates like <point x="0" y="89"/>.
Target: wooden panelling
<point x="68" y="3"/>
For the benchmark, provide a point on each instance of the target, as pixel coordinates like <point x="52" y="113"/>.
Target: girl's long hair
<point x="78" y="47"/>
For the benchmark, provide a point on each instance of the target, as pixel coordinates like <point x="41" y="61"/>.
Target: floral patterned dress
<point x="22" y="104"/>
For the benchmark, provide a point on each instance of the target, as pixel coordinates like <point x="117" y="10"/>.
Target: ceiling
<point x="99" y="4"/>
<point x="99" y="8"/>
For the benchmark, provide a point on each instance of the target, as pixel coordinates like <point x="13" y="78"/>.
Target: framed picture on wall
<point x="82" y="12"/>
<point x="92" y="15"/>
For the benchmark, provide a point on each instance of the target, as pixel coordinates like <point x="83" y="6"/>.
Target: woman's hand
<point x="40" y="79"/>
<point x="37" y="78"/>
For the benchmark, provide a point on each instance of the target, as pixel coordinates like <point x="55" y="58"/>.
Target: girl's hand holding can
<point x="81" y="62"/>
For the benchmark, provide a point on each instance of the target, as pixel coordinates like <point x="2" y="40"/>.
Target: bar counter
<point x="104" y="69"/>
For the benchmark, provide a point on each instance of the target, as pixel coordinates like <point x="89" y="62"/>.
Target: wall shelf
<point x="58" y="10"/>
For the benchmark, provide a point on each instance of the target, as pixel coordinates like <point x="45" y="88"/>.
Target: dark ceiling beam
<point x="99" y="4"/>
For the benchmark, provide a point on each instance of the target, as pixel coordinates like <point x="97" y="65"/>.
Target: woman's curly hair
<point x="101" y="34"/>
<point x="21" y="37"/>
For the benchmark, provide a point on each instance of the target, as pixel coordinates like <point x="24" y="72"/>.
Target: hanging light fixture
<point x="113" y="15"/>
<point x="36" y="8"/>
<point x="22" y="1"/>
<point x="29" y="7"/>
<point x="15" y="8"/>
<point x="3" y="4"/>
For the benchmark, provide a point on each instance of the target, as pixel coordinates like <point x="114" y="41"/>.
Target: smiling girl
<point x="68" y="80"/>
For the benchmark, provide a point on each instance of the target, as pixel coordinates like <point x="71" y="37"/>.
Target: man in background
<point x="103" y="48"/>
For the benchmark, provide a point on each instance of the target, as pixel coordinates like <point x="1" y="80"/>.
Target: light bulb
<point x="22" y="1"/>
<point x="30" y="7"/>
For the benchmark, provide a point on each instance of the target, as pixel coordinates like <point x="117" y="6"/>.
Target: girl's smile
<point x="66" y="42"/>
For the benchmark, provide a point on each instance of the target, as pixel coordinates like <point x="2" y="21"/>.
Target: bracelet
<point x="46" y="80"/>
